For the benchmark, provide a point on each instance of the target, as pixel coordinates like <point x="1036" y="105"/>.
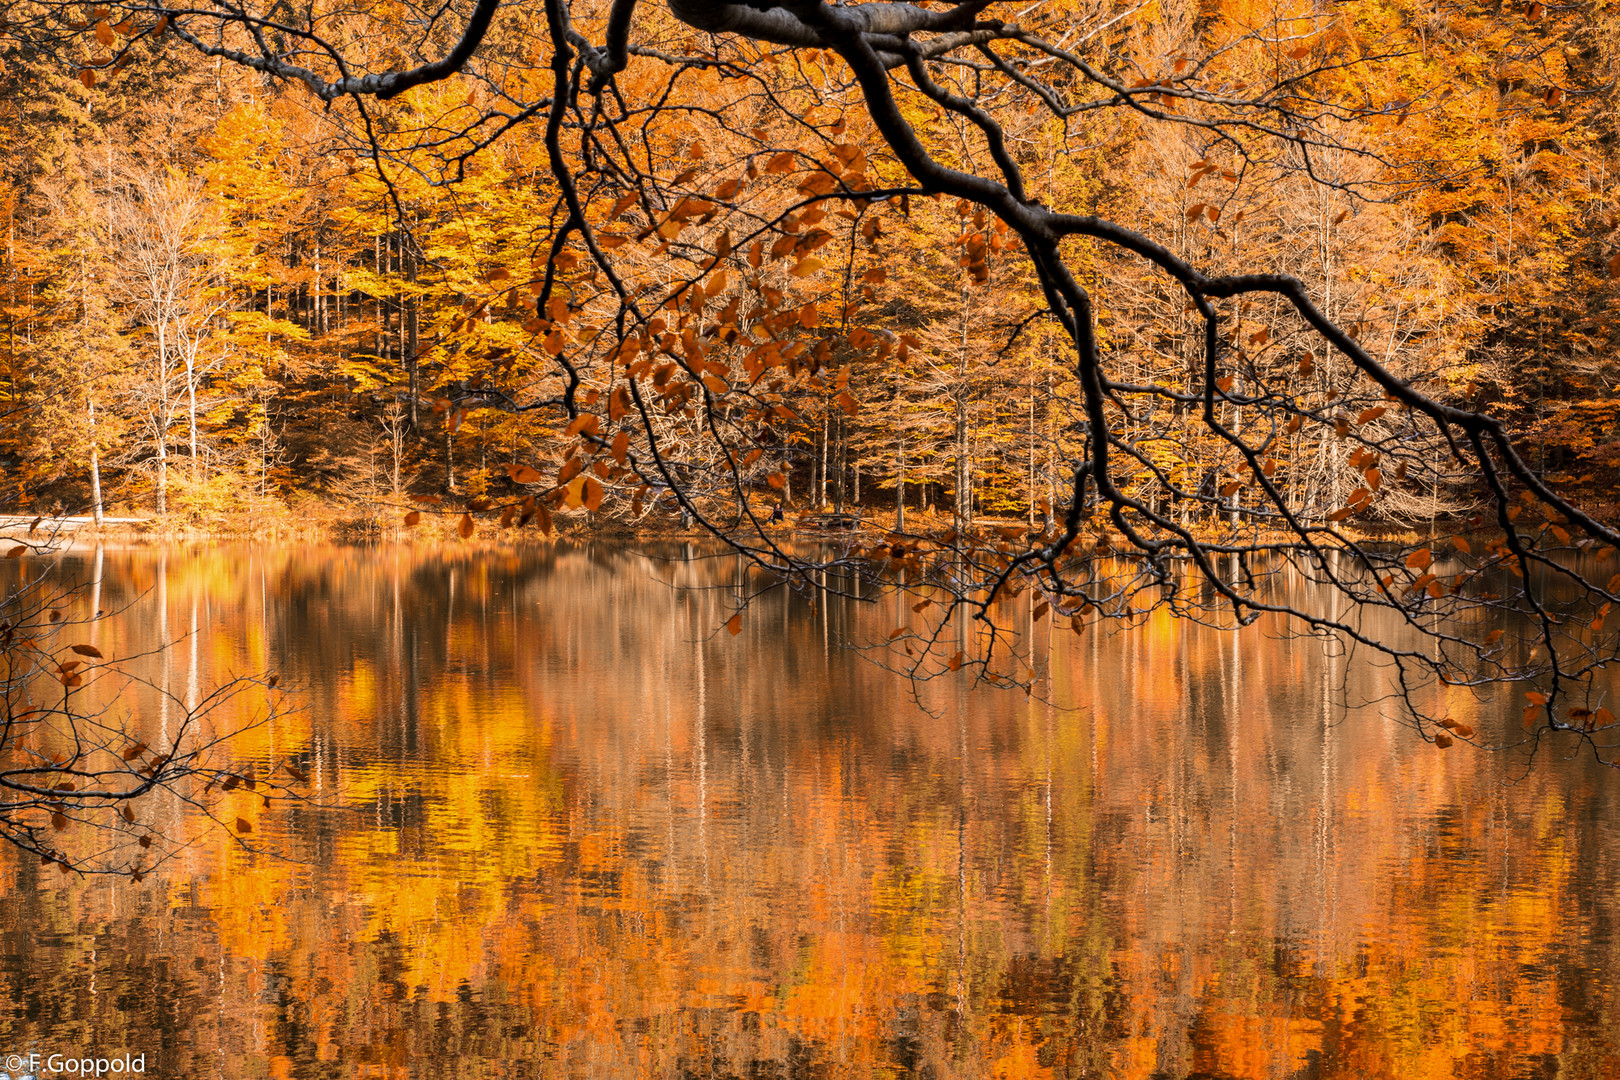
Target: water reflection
<point x="562" y="824"/>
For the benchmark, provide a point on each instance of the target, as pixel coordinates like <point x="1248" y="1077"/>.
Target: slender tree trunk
<point x="449" y="457"/>
<point x="95" y="469"/>
<point x="408" y="315"/>
<point x="161" y="421"/>
<point x="1032" y="444"/>
<point x="191" y="409"/>
<point x="900" y="484"/>
<point x="315" y="314"/>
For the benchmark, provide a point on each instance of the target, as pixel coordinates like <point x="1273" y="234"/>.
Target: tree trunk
<point x="95" y="469"/>
<point x="900" y="485"/>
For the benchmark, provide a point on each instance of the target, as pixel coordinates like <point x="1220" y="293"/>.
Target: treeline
<point x="216" y="301"/>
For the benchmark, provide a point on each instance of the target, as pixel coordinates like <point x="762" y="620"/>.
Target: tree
<point x="753" y="153"/>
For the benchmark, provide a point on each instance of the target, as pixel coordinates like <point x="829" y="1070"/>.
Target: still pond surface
<point x="561" y="824"/>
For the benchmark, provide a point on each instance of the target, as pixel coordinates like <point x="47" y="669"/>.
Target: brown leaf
<point x="523" y="474"/>
<point x="466" y="527"/>
<point x="128" y="813"/>
<point x="1442" y="740"/>
<point x="734" y="625"/>
<point x="133" y="752"/>
<point x="87" y="77"/>
<point x="15" y="552"/>
<point x="413" y="517"/>
<point x="243" y="826"/>
<point x="146" y="841"/>
<point x="87" y="650"/>
<point x="1420" y="559"/>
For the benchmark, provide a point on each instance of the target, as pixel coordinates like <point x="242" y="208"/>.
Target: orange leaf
<point x="1461" y="545"/>
<point x="955" y="662"/>
<point x="87" y="77"/>
<point x="591" y="496"/>
<point x="466" y="527"/>
<point x="734" y="625"/>
<point x="1420" y="559"/>
<point x="586" y="423"/>
<point x="1369" y="415"/>
<point x="523" y="474"/>
<point x="1536" y="697"/>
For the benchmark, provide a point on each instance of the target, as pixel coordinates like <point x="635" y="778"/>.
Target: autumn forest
<point x="225" y="300"/>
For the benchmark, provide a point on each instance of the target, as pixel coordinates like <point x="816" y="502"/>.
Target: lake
<point x="559" y="822"/>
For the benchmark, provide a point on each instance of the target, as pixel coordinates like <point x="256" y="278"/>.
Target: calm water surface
<point x="560" y="823"/>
